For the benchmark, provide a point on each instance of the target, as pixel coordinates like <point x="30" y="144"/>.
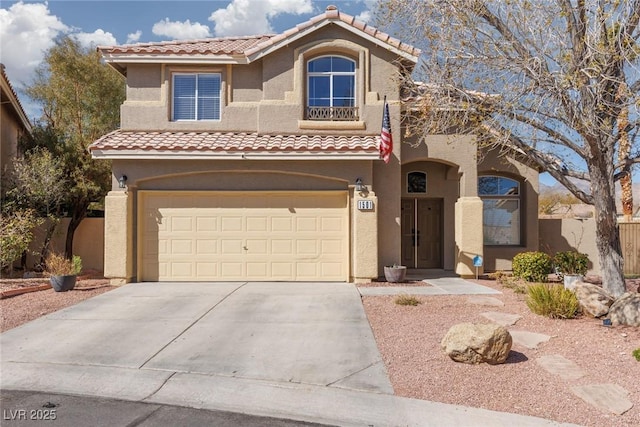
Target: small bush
<point x="407" y="300"/>
<point x="571" y="262"/>
<point x="552" y="301"/>
<point x="636" y="354"/>
<point x="59" y="265"/>
<point x="532" y="266"/>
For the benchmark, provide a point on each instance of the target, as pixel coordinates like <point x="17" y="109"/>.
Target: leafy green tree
<point x="38" y="184"/>
<point x="543" y="79"/>
<point x="80" y="97"/>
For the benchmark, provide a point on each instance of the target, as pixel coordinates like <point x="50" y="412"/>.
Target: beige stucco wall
<point x="88" y="243"/>
<point x="9" y="134"/>
<point x="565" y="234"/>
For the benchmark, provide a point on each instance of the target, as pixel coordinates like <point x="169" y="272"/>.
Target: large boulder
<point x="477" y="343"/>
<point x="626" y="310"/>
<point x="593" y="299"/>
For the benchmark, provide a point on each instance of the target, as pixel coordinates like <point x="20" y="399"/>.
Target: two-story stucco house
<point x="256" y="158"/>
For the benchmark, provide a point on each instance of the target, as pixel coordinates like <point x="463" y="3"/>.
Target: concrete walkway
<point x="299" y="351"/>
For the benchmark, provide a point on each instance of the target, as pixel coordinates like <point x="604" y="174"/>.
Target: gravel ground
<point x="409" y="340"/>
<point x="15" y="311"/>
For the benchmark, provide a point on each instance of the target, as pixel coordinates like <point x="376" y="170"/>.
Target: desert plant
<point x="552" y="301"/>
<point x="636" y="354"/>
<point x="59" y="265"/>
<point x="407" y="300"/>
<point x="532" y="266"/>
<point x="571" y="263"/>
<point x="16" y="233"/>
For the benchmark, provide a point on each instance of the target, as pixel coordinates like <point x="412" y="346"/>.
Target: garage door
<point x="202" y="236"/>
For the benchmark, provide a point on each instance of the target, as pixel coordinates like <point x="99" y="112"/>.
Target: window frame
<point x="332" y="75"/>
<point x="518" y="198"/>
<point x="409" y="174"/>
<point x="197" y="75"/>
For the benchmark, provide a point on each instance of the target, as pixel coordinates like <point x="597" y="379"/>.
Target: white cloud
<point x="180" y="30"/>
<point x="134" y="37"/>
<point x="97" y="38"/>
<point x="367" y="15"/>
<point x="27" y="31"/>
<point x="248" y="17"/>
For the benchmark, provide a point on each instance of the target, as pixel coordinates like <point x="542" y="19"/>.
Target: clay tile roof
<point x="233" y="143"/>
<point x="250" y="45"/>
<point x="220" y="45"/>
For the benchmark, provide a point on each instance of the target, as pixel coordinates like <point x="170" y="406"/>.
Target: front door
<point x="422" y="233"/>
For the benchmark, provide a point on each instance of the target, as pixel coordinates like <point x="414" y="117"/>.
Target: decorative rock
<point x="593" y="299"/>
<point x="626" y="310"/>
<point x="476" y="343"/>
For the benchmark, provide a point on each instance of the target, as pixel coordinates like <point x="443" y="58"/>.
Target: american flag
<point x="386" y="142"/>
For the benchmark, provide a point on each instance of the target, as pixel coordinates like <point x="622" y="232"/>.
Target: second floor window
<point x="196" y="96"/>
<point x="331" y="91"/>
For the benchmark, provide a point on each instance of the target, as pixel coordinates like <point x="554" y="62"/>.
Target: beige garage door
<point x="201" y="236"/>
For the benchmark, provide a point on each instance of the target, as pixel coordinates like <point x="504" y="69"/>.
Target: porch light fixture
<point x="359" y="185"/>
<point x="122" y="182"/>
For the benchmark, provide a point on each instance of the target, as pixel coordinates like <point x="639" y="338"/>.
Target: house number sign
<point x="365" y="205"/>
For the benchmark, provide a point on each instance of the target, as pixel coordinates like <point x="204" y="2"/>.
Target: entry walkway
<point x="437" y="282"/>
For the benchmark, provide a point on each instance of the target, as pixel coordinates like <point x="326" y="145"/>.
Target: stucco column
<point x="469" y="235"/>
<point x="118" y="237"/>
<point x="364" y="237"/>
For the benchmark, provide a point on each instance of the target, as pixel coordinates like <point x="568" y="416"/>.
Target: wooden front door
<point x="422" y="233"/>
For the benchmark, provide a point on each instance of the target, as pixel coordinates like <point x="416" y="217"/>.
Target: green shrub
<point x="532" y="266"/>
<point x="407" y="300"/>
<point x="553" y="301"/>
<point x="636" y="354"/>
<point x="571" y="262"/>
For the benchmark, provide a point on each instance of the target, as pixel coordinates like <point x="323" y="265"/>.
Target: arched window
<point x="501" y="211"/>
<point x="417" y="182"/>
<point x="331" y="93"/>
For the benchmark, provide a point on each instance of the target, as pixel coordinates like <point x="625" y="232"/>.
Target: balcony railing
<point x="332" y="113"/>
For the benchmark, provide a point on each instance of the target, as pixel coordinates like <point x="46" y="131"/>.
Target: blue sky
<point x="29" y="28"/>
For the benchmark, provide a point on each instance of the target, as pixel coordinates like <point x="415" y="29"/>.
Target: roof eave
<point x="111" y="154"/>
<point x="262" y="52"/>
<point x="119" y="61"/>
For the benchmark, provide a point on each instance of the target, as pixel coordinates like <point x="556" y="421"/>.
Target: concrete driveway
<point x="130" y="341"/>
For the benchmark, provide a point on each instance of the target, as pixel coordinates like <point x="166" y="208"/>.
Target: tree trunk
<point x="79" y="213"/>
<point x="607" y="231"/>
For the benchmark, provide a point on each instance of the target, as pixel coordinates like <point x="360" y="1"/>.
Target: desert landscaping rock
<point x="504" y="319"/>
<point x="477" y="343"/>
<point x="607" y="397"/>
<point x="528" y="339"/>
<point x="560" y="366"/>
<point x="594" y="300"/>
<point x="626" y="310"/>
<point x="484" y="300"/>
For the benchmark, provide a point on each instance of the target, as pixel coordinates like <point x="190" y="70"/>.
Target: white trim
<point x="130" y="58"/>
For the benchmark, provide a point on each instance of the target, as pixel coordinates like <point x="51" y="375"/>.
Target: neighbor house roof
<point x="243" y="50"/>
<point x="122" y="144"/>
<point x="9" y="95"/>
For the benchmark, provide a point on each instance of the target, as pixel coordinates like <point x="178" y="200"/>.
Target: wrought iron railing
<point x="332" y="113"/>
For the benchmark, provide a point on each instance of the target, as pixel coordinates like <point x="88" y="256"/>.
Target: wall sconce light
<point x="359" y="185"/>
<point x="122" y="182"/>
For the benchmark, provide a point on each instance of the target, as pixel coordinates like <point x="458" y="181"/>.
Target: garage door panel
<point x="247" y="235"/>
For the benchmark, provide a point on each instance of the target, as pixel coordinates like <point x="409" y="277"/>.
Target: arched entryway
<point x="429" y="192"/>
